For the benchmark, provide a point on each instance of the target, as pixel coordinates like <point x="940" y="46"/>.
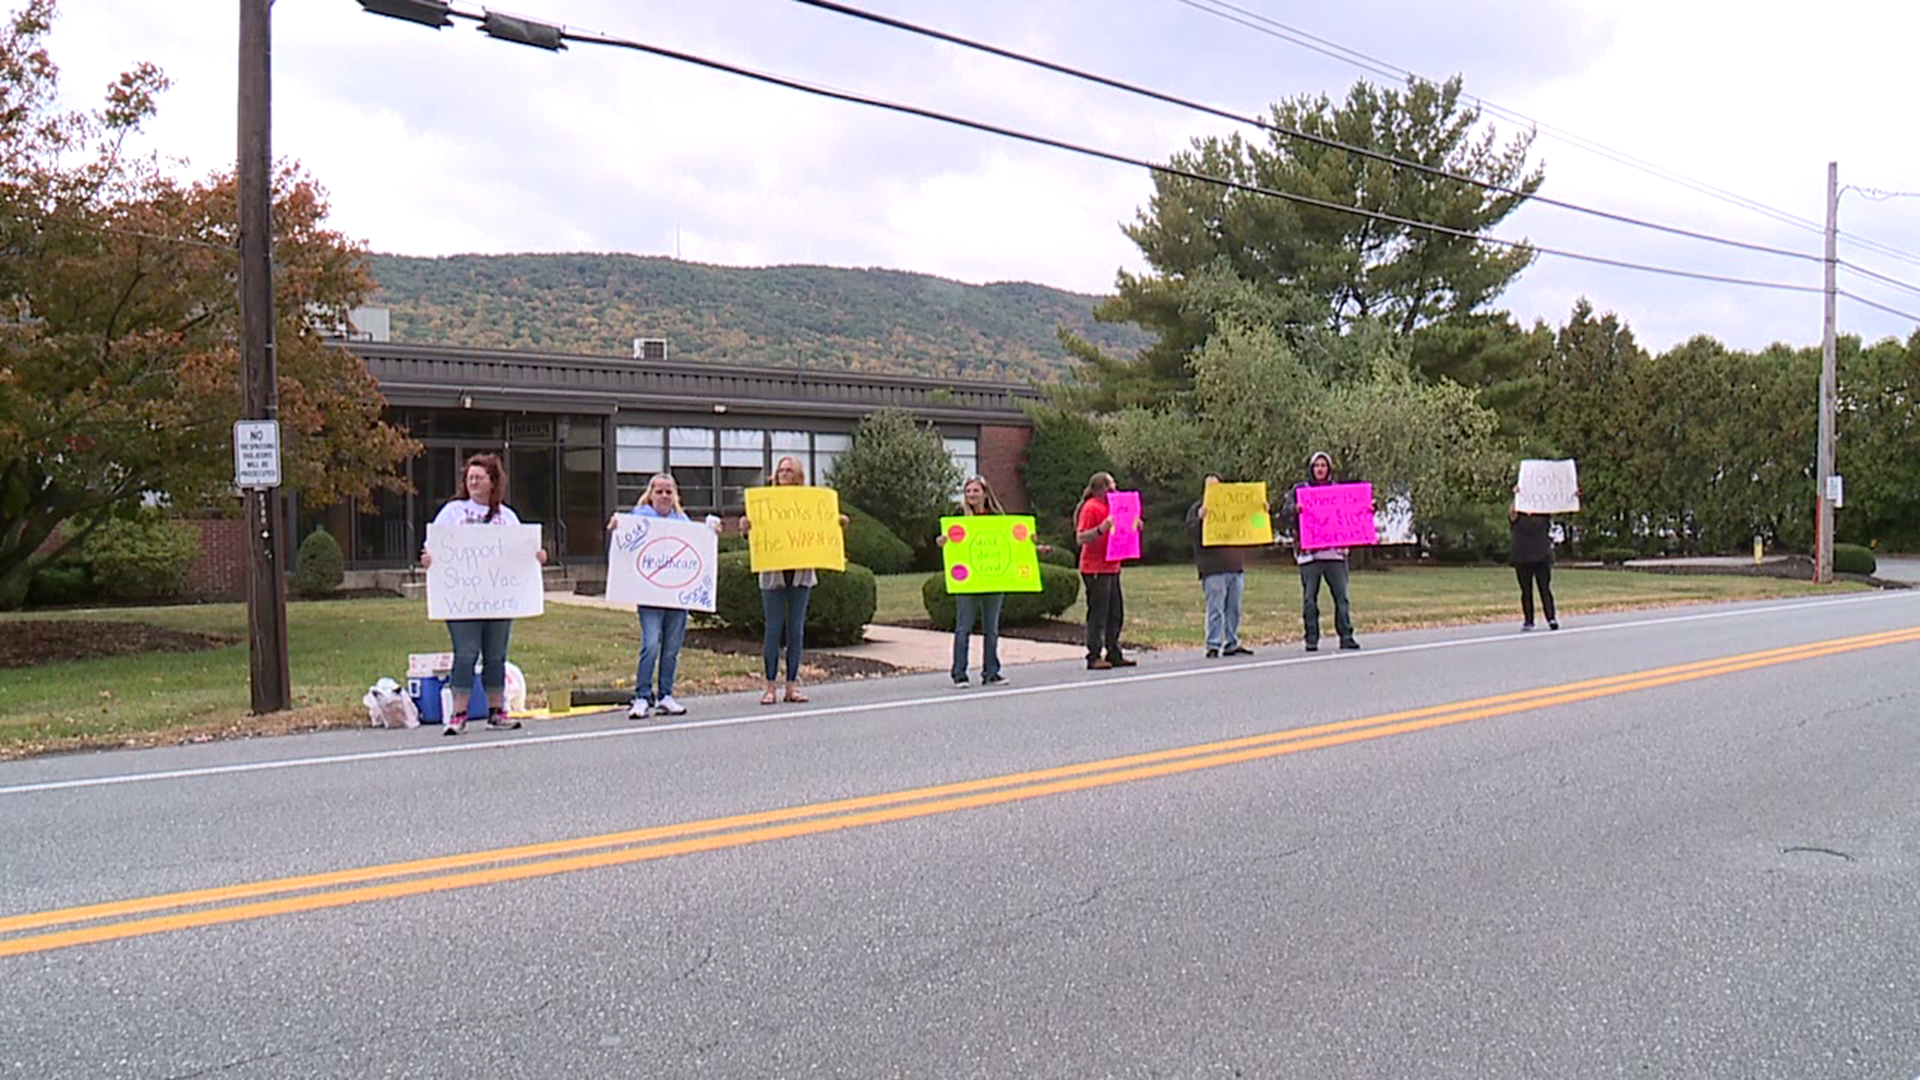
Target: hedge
<point x="1059" y="588"/>
<point x="318" y="567"/>
<point x="838" y="611"/>
<point x="141" y="558"/>
<point x="1853" y="559"/>
<point x="874" y="546"/>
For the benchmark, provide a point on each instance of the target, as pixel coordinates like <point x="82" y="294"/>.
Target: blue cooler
<point x="425" y="692"/>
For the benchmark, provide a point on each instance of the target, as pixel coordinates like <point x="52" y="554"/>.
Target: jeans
<point x="1223" y="608"/>
<point x="786" y="611"/>
<point x="662" y="632"/>
<point x="1529" y="573"/>
<point x="1106" y="611"/>
<point x="987" y="606"/>
<point x="486" y="641"/>
<point x="1334" y="573"/>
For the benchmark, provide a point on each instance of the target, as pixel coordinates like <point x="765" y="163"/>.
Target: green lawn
<point x="1164" y="606"/>
<point x="336" y="650"/>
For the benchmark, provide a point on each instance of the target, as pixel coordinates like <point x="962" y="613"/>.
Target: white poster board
<point x="1394" y="520"/>
<point x="1547" y="487"/>
<point x="484" y="572"/>
<point x="661" y="562"/>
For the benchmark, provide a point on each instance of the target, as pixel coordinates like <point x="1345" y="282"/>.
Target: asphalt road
<point x="1670" y="844"/>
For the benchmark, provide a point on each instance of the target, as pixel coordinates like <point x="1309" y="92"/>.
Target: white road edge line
<point x="945" y="698"/>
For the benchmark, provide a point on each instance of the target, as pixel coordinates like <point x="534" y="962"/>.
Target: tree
<point x="1324" y="268"/>
<point x="901" y="473"/>
<point x="119" y="371"/>
<point x="1064" y="451"/>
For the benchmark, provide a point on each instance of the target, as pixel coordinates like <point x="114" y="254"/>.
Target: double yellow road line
<point x="92" y="923"/>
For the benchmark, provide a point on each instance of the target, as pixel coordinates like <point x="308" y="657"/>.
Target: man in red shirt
<point x="1106" y="610"/>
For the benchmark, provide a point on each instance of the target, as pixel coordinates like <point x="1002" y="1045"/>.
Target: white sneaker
<point x="637" y="710"/>
<point x="669" y="707"/>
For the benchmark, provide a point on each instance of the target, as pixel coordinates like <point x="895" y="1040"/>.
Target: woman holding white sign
<point x="1532" y="561"/>
<point x="663" y="630"/>
<point x="783" y="598"/>
<point x="481" y="501"/>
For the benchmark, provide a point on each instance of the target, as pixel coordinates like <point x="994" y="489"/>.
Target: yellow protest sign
<point x="990" y="553"/>
<point x="795" y="528"/>
<point x="1236" y="515"/>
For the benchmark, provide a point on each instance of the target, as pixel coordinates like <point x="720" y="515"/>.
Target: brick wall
<point x="220" y="573"/>
<point x="1002" y="449"/>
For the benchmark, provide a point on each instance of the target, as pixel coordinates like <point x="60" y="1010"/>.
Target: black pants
<point x="1529" y="574"/>
<point x="1106" y="610"/>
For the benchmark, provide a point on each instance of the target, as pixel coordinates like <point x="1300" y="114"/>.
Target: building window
<point x="691" y="460"/>
<point x="827" y="449"/>
<point x="639" y="452"/>
<point x="743" y="464"/>
<point x="965" y="453"/>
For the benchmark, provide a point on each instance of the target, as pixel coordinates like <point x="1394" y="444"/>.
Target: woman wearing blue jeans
<point x="783" y="599"/>
<point x="482" y="501"/>
<point x="976" y="497"/>
<point x="662" y="630"/>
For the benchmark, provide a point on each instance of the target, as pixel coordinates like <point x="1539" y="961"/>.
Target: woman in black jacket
<point x="1532" y="561"/>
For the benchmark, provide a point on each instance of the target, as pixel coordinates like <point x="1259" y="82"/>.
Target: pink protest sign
<point x="1123" y="509"/>
<point x="1336" y="515"/>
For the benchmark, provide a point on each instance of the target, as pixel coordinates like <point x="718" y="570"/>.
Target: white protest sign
<point x="661" y="562"/>
<point x="1394" y="520"/>
<point x="1547" y="487"/>
<point x="484" y="572"/>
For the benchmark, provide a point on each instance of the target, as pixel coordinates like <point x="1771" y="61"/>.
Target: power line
<point x="1290" y="132"/>
<point x="1889" y="310"/>
<point x="1864" y="272"/>
<point x="1255" y="21"/>
<point x="559" y="34"/>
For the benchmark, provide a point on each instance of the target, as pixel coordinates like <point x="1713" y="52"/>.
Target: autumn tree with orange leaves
<point x="119" y="358"/>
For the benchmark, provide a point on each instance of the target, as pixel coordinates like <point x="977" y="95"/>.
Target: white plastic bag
<point x="389" y="708"/>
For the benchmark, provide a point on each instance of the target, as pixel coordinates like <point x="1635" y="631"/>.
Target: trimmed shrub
<point x="1853" y="559"/>
<point x="1066" y="555"/>
<point x="1612" y="556"/>
<point x="318" y="567"/>
<point x="144" y="557"/>
<point x="63" y="581"/>
<point x="1059" y="588"/>
<point x="839" y="609"/>
<point x="874" y="546"/>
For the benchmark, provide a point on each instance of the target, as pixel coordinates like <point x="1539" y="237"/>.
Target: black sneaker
<point x="961" y="680"/>
<point x="1213" y="654"/>
<point x="994" y="679"/>
<point x="1349" y="643"/>
<point x="1553" y="624"/>
<point x="1313" y="646"/>
<point x="1239" y="650"/>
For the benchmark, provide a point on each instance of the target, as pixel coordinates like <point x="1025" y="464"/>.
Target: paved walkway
<point x="903" y="647"/>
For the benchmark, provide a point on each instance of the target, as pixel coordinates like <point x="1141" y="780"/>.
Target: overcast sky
<point x="444" y="142"/>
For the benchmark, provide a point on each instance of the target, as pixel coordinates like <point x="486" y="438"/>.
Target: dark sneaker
<point x="1313" y="646"/>
<point x="1213" y="654"/>
<point x="498" y="720"/>
<point x="1553" y="624"/>
<point x="1098" y="665"/>
<point x="995" y="679"/>
<point x="1121" y="661"/>
<point x="961" y="680"/>
<point x="1525" y="626"/>
<point x="1349" y="643"/>
<point x="1239" y="650"/>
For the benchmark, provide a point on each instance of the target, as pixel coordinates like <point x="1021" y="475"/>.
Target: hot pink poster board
<point x="1123" y="508"/>
<point x="1336" y="515"/>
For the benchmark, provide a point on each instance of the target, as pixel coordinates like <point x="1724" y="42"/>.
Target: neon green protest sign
<point x="990" y="553"/>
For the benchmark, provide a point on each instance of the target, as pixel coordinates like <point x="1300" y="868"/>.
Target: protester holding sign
<point x="977" y="500"/>
<point x="783" y="597"/>
<point x="1532" y="560"/>
<point x="663" y="630"/>
<point x="1222" y="570"/>
<point x="481" y="501"/>
<point x="1106" y="609"/>
<point x="1328" y="564"/>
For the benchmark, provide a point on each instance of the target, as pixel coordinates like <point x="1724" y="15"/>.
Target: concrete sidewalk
<point x="903" y="647"/>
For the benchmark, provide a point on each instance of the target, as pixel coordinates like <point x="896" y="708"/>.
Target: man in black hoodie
<point x="1323" y="564"/>
<point x="1222" y="579"/>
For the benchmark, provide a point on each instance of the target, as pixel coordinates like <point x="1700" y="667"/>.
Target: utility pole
<point x="266" y="576"/>
<point x="1823" y="458"/>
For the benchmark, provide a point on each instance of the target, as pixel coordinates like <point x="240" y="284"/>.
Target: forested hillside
<point x="808" y="316"/>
